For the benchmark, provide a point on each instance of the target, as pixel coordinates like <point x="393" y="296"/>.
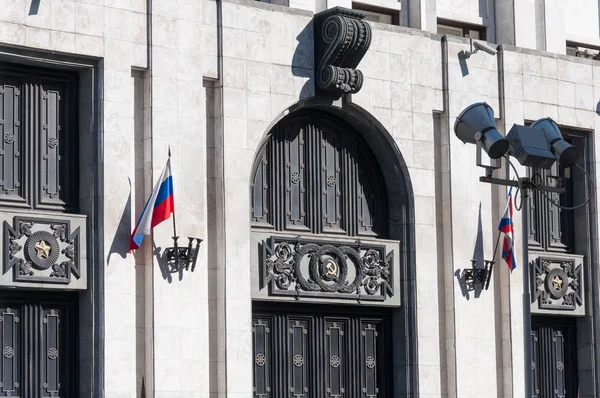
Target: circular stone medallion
<point x="556" y="283"/>
<point x="42" y="250"/>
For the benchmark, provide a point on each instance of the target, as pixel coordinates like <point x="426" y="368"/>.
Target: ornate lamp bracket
<point x="473" y="276"/>
<point x="342" y="39"/>
<point x="182" y="258"/>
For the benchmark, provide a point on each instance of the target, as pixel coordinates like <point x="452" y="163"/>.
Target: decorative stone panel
<point x="309" y="269"/>
<point x="45" y="251"/>
<point x="557" y="284"/>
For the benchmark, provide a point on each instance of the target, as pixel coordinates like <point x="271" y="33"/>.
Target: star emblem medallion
<point x="557" y="282"/>
<point x="43" y="249"/>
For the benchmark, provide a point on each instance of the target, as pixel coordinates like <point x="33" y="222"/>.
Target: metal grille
<point x="554" y="366"/>
<point x="38" y="138"/>
<point x="315" y="174"/>
<point x="304" y="351"/>
<point x="38" y="347"/>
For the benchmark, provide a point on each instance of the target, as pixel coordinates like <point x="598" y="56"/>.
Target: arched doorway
<point x="328" y="262"/>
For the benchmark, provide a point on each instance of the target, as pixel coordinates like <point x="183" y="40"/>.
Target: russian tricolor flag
<point x="158" y="208"/>
<point x="506" y="227"/>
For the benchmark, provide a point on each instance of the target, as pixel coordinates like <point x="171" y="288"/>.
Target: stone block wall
<point x="148" y="87"/>
<point x="162" y="83"/>
<point x="416" y="85"/>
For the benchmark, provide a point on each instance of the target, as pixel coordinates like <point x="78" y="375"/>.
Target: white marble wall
<point x="402" y="90"/>
<point x="581" y="21"/>
<point x="114" y="31"/>
<point x="259" y="47"/>
<point x="180" y="305"/>
<point x="174" y="324"/>
<point x="267" y="68"/>
<point x="545" y="85"/>
<point x="474" y="335"/>
<point x="479" y="12"/>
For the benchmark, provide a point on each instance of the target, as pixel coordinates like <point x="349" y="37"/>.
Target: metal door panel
<point x="308" y="351"/>
<point x="37" y="336"/>
<point x="554" y="357"/>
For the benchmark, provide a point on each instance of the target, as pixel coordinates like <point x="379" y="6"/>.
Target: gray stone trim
<point x="591" y="269"/>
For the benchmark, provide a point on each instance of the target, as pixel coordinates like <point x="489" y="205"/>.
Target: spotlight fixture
<point x="530" y="147"/>
<point x="540" y="145"/>
<point x="566" y="153"/>
<point x="476" y="125"/>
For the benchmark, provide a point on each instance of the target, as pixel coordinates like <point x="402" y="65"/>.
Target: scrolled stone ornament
<point x="371" y="285"/>
<point x="280" y="265"/>
<point x="341" y="40"/>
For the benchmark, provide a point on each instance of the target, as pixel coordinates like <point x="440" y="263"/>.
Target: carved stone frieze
<point x="41" y="250"/>
<point x="342" y="38"/>
<point x="557" y="285"/>
<point x="306" y="268"/>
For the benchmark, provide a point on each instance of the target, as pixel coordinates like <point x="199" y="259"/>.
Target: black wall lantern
<point x="477" y="275"/>
<point x="182" y="258"/>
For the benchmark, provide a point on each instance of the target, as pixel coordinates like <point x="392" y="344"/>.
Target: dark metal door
<point x="38" y="340"/>
<point x="554" y="357"/>
<point x="313" y="352"/>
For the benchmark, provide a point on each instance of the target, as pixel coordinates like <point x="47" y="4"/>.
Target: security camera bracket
<point x="494" y="163"/>
<point x="475" y="49"/>
<point x="472" y="51"/>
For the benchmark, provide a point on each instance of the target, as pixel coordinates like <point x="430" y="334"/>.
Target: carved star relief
<point x="43" y="249"/>
<point x="557" y="282"/>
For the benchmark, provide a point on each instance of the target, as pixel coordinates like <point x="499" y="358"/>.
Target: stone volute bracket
<point x="342" y="39"/>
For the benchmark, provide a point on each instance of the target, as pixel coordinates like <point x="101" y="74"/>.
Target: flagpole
<point x="527" y="361"/>
<point x="175" y="237"/>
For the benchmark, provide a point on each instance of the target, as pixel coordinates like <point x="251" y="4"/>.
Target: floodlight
<point x="530" y="146"/>
<point x="566" y="153"/>
<point x="476" y="123"/>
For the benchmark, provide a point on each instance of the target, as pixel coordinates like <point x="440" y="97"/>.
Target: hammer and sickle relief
<point x="331" y="267"/>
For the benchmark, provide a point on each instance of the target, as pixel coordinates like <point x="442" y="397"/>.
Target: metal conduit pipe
<point x="218" y="86"/>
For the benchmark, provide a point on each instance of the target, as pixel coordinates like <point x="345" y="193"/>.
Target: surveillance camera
<point x="479" y="45"/>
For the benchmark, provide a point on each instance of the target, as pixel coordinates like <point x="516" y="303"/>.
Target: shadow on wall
<point x="171" y="263"/>
<point x="165" y="266"/>
<point x="303" y="63"/>
<point x="34" y="7"/>
<point x="462" y="61"/>
<point x="483" y="9"/>
<point x="478" y="263"/>
<point x="120" y="243"/>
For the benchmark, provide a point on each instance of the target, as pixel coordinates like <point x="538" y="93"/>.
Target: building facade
<point x="313" y="152"/>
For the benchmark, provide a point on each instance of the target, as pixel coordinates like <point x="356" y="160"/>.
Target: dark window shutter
<point x="39" y="147"/>
<point x="12" y="134"/>
<point x="315" y="174"/>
